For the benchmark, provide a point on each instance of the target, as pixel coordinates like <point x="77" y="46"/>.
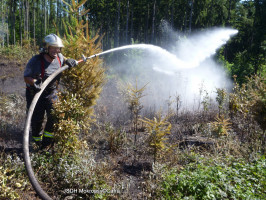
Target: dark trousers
<point x="44" y="105"/>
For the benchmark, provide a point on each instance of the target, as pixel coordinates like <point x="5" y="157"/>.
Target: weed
<point x="116" y="138"/>
<point x="247" y="105"/>
<point x="19" y="53"/>
<point x="237" y="180"/>
<point x="178" y="104"/>
<point x="221" y="126"/>
<point x="221" y="98"/>
<point x="206" y="102"/>
<point x="12" y="177"/>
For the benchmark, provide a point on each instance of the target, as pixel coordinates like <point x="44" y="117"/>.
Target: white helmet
<point x="51" y="40"/>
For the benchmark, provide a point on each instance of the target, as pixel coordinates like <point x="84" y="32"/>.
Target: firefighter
<point x="38" y="69"/>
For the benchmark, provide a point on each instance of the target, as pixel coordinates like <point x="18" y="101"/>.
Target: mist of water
<point x="187" y="69"/>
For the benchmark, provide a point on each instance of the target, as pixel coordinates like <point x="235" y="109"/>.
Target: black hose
<point x="33" y="180"/>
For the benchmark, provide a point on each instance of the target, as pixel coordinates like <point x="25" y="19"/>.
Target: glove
<point x="71" y="63"/>
<point x="37" y="85"/>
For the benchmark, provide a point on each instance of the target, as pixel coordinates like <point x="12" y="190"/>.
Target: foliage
<point x="12" y="177"/>
<point x="82" y="84"/>
<point x="6" y="192"/>
<point x="116" y="138"/>
<point x="133" y="96"/>
<point x="63" y="172"/>
<point x="206" y="101"/>
<point x="221" y="126"/>
<point x="250" y="99"/>
<point x="221" y="98"/>
<point x="157" y="130"/>
<point x="257" y="90"/>
<point x="21" y="54"/>
<point x="69" y="112"/>
<point x="238" y="180"/>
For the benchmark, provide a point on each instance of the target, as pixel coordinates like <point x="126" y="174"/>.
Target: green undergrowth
<point x="208" y="179"/>
<point x="18" y="53"/>
<point x="70" y="175"/>
<point x="13" y="181"/>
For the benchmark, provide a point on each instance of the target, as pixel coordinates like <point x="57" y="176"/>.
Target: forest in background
<point x="122" y="22"/>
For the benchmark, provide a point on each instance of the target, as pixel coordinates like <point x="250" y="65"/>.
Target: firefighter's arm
<point x="36" y="84"/>
<point x="29" y="80"/>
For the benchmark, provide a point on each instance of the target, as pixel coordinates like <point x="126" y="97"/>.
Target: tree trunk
<point x="131" y="25"/>
<point x="25" y="20"/>
<point x="14" y="21"/>
<point x="58" y="16"/>
<point x="229" y="13"/>
<point x="34" y="33"/>
<point x="7" y="34"/>
<point x="172" y="14"/>
<point x="28" y="20"/>
<point x="190" y="17"/>
<point x="21" y="21"/>
<point x="45" y="17"/>
<point x="3" y="24"/>
<point x="117" y="27"/>
<point x="147" y="25"/>
<point x="126" y="37"/>
<point x="185" y="21"/>
<point x="11" y="20"/>
<point x="153" y="23"/>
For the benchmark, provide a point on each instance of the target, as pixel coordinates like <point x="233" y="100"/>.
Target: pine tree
<point x="82" y="84"/>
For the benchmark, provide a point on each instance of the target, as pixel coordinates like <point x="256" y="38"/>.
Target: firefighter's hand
<point x="37" y="86"/>
<point x="71" y="63"/>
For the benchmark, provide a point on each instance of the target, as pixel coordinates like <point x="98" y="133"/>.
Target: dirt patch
<point x="11" y="77"/>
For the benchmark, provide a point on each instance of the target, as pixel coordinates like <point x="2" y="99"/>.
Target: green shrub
<point x="157" y="129"/>
<point x="238" y="180"/>
<point x="12" y="177"/>
<point x="6" y="191"/>
<point x="18" y="53"/>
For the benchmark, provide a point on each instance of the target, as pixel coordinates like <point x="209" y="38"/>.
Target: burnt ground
<point x="11" y="82"/>
<point x="11" y="77"/>
<point x="11" y="135"/>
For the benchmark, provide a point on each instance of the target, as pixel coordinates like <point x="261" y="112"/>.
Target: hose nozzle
<point x="84" y="59"/>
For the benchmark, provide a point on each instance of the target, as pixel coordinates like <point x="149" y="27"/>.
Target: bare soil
<point x="11" y="82"/>
<point x="11" y="77"/>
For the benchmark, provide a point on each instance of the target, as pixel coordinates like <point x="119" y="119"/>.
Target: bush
<point x="12" y="177"/>
<point x="18" y="53"/>
<point x="238" y="180"/>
